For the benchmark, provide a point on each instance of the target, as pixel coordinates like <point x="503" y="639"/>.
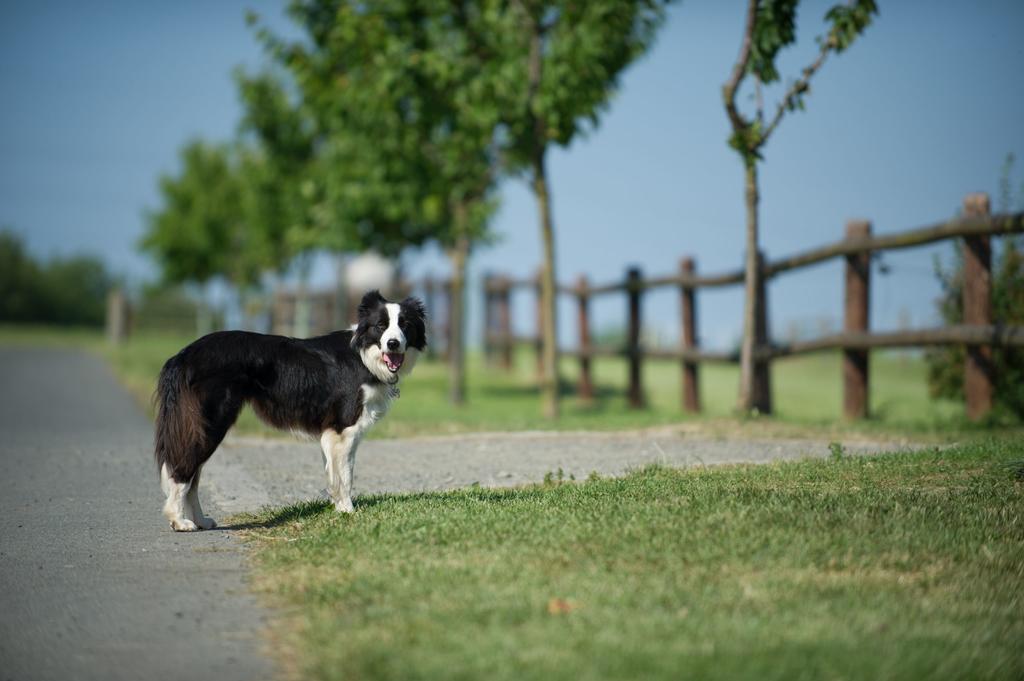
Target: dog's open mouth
<point x="394" y="360"/>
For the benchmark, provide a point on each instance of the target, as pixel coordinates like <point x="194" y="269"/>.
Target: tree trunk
<point x="746" y="401"/>
<point x="300" y="322"/>
<point x="204" y="315"/>
<point x="549" y="332"/>
<point x="300" y="319"/>
<point x="549" y="335"/>
<point x="459" y="255"/>
<point x="243" y="295"/>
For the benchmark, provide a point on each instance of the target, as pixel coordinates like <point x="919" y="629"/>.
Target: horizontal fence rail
<point x="995" y="336"/>
<point x="978" y="333"/>
<point x="996" y="225"/>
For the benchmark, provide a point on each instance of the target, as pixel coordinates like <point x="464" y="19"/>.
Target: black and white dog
<point x="333" y="387"/>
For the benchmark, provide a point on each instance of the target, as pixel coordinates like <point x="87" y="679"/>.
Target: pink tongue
<point x="394" y="360"/>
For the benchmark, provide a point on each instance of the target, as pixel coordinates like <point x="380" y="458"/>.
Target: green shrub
<point x="69" y="291"/>
<point x="946" y="364"/>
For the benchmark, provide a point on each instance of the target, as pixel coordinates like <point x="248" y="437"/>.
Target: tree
<point x="203" y="230"/>
<point x="190" y="235"/>
<point x="404" y="119"/>
<point x="283" y="193"/>
<point x="19" y="280"/>
<point x="460" y="82"/>
<point x="276" y="169"/>
<point x="68" y="291"/>
<point x="769" y="26"/>
<point x="564" y="60"/>
<point x="368" y="172"/>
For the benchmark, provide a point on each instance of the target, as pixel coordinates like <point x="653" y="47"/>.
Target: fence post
<point x="445" y="293"/>
<point x="691" y="382"/>
<point x="117" y="316"/>
<point x="504" y="297"/>
<point x="582" y="301"/>
<point x="856" y="319"/>
<point x="538" y="342"/>
<point x="278" y="313"/>
<point x="762" y="365"/>
<point x="635" y="394"/>
<point x="430" y="302"/>
<point x="977" y="301"/>
<point x="488" y="339"/>
<point x="339" y="301"/>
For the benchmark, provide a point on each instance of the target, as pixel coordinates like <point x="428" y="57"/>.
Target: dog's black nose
<point x="392" y="344"/>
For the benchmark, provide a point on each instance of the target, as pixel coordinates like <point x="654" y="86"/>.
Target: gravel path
<point x="248" y="473"/>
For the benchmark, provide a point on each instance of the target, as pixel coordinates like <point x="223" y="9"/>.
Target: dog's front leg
<point x="339" y="461"/>
<point x="347" y="465"/>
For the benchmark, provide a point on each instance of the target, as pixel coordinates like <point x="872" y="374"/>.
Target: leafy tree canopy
<point x="585" y="46"/>
<point x="60" y="291"/>
<point x="210" y="218"/>
<point x="403" y="116"/>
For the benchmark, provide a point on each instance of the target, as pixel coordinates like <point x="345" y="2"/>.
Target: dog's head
<point x="389" y="336"/>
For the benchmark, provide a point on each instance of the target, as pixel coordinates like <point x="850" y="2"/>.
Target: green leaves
<point x="585" y="48"/>
<point x="401" y="99"/>
<point x="388" y="124"/>
<point x="848" y="22"/>
<point x="70" y="290"/>
<point x="748" y="141"/>
<point x="225" y="213"/>
<point x="774" y="29"/>
<point x="191" y="234"/>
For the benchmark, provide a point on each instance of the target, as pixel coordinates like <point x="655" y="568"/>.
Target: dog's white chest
<point x="376" y="402"/>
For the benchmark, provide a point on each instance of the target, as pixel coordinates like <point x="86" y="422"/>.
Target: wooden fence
<point x="325" y="311"/>
<point x="978" y="333"/>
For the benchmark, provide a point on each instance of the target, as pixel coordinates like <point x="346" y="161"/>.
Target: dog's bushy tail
<point x="180" y="429"/>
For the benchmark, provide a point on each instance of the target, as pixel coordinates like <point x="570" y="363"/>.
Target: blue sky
<point x="99" y="96"/>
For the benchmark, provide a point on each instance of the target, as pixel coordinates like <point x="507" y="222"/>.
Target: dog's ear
<point x="371" y="299"/>
<point x="413" y="310"/>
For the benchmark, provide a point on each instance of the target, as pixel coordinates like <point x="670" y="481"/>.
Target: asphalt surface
<point x="95" y="584"/>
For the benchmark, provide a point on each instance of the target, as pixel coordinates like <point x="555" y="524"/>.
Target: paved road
<point x="95" y="585"/>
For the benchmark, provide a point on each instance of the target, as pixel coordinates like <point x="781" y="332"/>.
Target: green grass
<point x="807" y="394"/>
<point x="43" y="336"/>
<point x="903" y="566"/>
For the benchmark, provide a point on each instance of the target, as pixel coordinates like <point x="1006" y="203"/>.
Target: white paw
<point x="344" y="506"/>
<point x="205" y="523"/>
<point x="183" y="525"/>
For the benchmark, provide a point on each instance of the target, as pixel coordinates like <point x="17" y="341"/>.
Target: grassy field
<point x="807" y="394"/>
<point x="891" y="567"/>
